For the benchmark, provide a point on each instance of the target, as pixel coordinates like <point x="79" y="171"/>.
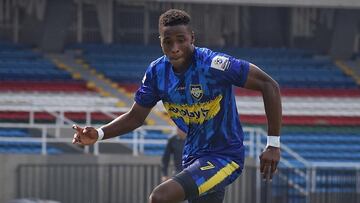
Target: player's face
<point x="177" y="43"/>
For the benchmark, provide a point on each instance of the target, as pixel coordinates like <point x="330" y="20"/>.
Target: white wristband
<point x="100" y="134"/>
<point x="273" y="141"/>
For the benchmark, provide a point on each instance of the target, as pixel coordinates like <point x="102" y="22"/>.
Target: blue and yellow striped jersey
<point x="200" y="101"/>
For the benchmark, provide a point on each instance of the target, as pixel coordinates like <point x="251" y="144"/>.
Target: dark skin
<point x="177" y="43"/>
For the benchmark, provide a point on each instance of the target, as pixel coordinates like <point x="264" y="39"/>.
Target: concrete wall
<point x="345" y="32"/>
<point x="269" y="27"/>
<point x="309" y="3"/>
<point x="10" y="163"/>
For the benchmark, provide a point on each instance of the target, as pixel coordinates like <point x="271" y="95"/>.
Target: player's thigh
<point x="168" y="191"/>
<point x="216" y="196"/>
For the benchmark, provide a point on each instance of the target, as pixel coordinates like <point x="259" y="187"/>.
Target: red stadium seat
<point x="305" y="120"/>
<point x="49" y="86"/>
<point x="300" y="92"/>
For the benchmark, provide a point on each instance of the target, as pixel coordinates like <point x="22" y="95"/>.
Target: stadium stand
<point x="324" y="143"/>
<point x="291" y="68"/>
<point x="120" y="63"/>
<point x="31" y="84"/>
<point x="24" y="147"/>
<point x="307" y="80"/>
<point x="28" y="79"/>
<point x="20" y="63"/>
<point x="23" y="69"/>
<point x="321" y="105"/>
<point x="297" y="68"/>
<point x="43" y="92"/>
<point x="312" y="86"/>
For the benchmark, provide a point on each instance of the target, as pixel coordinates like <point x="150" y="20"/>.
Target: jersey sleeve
<point x="147" y="95"/>
<point x="230" y="70"/>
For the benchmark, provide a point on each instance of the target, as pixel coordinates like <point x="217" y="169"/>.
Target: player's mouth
<point x="175" y="58"/>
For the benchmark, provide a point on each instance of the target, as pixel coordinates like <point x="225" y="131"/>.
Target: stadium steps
<point x="105" y="86"/>
<point x="68" y="62"/>
<point x="350" y="68"/>
<point x="26" y="70"/>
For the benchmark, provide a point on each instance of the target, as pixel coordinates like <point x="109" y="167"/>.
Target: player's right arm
<point x="125" y="123"/>
<point x="146" y="97"/>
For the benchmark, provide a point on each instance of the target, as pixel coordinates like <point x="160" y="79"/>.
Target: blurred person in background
<point x="195" y="85"/>
<point x="174" y="148"/>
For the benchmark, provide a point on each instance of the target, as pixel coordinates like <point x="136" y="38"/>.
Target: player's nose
<point x="175" y="48"/>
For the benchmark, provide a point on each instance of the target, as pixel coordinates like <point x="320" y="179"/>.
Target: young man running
<point x="195" y="86"/>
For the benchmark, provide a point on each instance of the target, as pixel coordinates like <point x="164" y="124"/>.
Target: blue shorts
<point x="208" y="176"/>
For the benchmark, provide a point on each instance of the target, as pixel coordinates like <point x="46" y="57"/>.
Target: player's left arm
<point x="260" y="81"/>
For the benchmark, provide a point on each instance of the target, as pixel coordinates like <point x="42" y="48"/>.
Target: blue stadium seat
<point x="20" y="63"/>
<point x="291" y="67"/>
<point x="12" y="147"/>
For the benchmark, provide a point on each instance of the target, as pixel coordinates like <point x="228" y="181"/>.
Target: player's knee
<point x="157" y="197"/>
<point x="167" y="192"/>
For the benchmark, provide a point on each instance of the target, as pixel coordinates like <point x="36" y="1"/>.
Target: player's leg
<point x="169" y="191"/>
<point x="212" y="197"/>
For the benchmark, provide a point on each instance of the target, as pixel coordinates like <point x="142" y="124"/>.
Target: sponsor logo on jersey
<point x="196" y="91"/>
<point x="196" y="113"/>
<point x="220" y="62"/>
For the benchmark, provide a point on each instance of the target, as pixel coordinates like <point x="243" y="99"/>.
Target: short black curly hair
<point x="174" y="17"/>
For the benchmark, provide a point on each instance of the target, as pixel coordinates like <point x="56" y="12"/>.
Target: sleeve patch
<point x="220" y="62"/>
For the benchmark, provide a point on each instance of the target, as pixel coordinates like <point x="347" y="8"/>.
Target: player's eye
<point x="167" y="42"/>
<point x="181" y="40"/>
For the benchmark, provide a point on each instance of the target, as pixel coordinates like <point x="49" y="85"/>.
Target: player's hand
<point x="164" y="178"/>
<point x="84" y="136"/>
<point x="269" y="160"/>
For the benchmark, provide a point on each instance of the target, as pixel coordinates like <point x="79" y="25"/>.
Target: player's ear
<point x="160" y="41"/>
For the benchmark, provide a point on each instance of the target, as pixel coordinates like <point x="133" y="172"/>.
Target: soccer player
<point x="174" y="147"/>
<point x="195" y="86"/>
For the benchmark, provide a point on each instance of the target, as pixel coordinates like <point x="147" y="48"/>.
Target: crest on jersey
<point x="196" y="91"/>
<point x="220" y="62"/>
